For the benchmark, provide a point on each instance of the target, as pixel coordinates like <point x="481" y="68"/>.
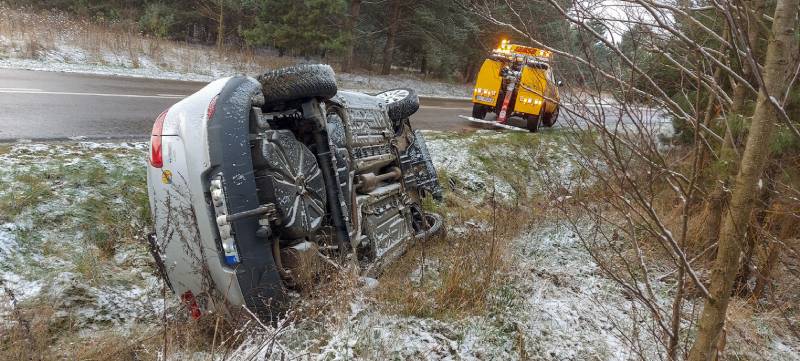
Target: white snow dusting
<point x="70" y="59"/>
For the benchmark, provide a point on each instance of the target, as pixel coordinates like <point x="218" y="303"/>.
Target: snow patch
<point x="46" y="251"/>
<point x="70" y="59"/>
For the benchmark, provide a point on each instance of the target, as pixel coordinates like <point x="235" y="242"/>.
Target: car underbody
<point x="295" y="174"/>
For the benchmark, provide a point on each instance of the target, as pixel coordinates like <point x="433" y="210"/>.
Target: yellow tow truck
<point x="516" y="80"/>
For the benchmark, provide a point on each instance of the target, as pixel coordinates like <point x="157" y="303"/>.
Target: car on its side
<point x="255" y="182"/>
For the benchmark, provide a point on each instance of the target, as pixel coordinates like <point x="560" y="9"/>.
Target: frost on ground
<point x="71" y="221"/>
<point x="556" y="305"/>
<point x="77" y="49"/>
<point x="72" y="217"/>
<point x="564" y="313"/>
<point x="511" y="165"/>
<point x="72" y="60"/>
<point x="555" y="308"/>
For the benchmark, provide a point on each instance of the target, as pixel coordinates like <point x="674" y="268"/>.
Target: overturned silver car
<point x="252" y="181"/>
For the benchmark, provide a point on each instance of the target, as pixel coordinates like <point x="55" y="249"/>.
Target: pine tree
<point x="305" y="28"/>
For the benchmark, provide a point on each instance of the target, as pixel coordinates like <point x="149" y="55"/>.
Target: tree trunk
<point x="349" y="30"/>
<point x="748" y="267"/>
<point x="717" y="198"/>
<point x="677" y="305"/>
<point x="753" y="31"/>
<point x="468" y="70"/>
<point x="391" y="36"/>
<point x="714" y="207"/>
<point x="740" y="93"/>
<point x="777" y="72"/>
<point x="221" y="28"/>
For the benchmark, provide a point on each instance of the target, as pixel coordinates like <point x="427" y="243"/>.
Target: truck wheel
<point x="551" y="118"/>
<point x="478" y="111"/>
<point x="532" y="123"/>
<point x="400" y="103"/>
<point x="298" y="82"/>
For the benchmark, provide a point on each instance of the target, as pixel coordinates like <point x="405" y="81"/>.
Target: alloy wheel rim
<point x="392" y="96"/>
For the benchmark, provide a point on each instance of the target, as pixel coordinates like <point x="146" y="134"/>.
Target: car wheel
<point x="435" y="225"/>
<point x="289" y="177"/>
<point x="550" y="119"/>
<point x="478" y="111"/>
<point x="427" y="178"/>
<point x="400" y="103"/>
<point x="298" y="82"/>
<point x="532" y="123"/>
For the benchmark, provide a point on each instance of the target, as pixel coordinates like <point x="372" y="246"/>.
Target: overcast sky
<point x="617" y="15"/>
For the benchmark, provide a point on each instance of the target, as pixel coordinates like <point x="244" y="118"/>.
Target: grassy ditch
<point x="492" y="196"/>
<point x="71" y="229"/>
<point x="80" y="284"/>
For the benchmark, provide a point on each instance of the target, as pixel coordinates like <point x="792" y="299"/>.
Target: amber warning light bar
<point x="507" y="48"/>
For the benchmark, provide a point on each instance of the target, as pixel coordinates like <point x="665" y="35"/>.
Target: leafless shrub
<point x="649" y="191"/>
<point x="455" y="275"/>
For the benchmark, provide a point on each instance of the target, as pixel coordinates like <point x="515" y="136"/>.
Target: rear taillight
<point x="212" y="107"/>
<point x="191" y="303"/>
<point x="156" y="158"/>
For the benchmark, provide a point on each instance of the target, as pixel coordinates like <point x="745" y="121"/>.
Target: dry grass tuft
<point x="34" y="336"/>
<point x="455" y="275"/>
<point x="33" y="35"/>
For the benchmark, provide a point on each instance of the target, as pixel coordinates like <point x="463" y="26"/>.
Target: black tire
<point x="401" y="103"/>
<point x="298" y="82"/>
<point x="550" y="119"/>
<point x="427" y="178"/>
<point x="288" y="175"/>
<point x="532" y="123"/>
<point x="478" y="111"/>
<point x="435" y="227"/>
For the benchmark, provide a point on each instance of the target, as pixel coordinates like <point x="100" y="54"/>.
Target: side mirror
<point x="559" y="83"/>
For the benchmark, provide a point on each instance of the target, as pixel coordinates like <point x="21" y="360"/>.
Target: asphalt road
<point x="51" y="105"/>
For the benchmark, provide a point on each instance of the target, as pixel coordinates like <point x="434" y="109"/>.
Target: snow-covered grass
<point x="72" y="217"/>
<point x="73" y="220"/>
<point x="56" y="42"/>
<point x="548" y="304"/>
<point x="510" y="281"/>
<point x="511" y="164"/>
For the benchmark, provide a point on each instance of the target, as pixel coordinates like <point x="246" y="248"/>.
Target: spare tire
<point x="288" y="176"/>
<point x="298" y="82"/>
<point x="400" y="103"/>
